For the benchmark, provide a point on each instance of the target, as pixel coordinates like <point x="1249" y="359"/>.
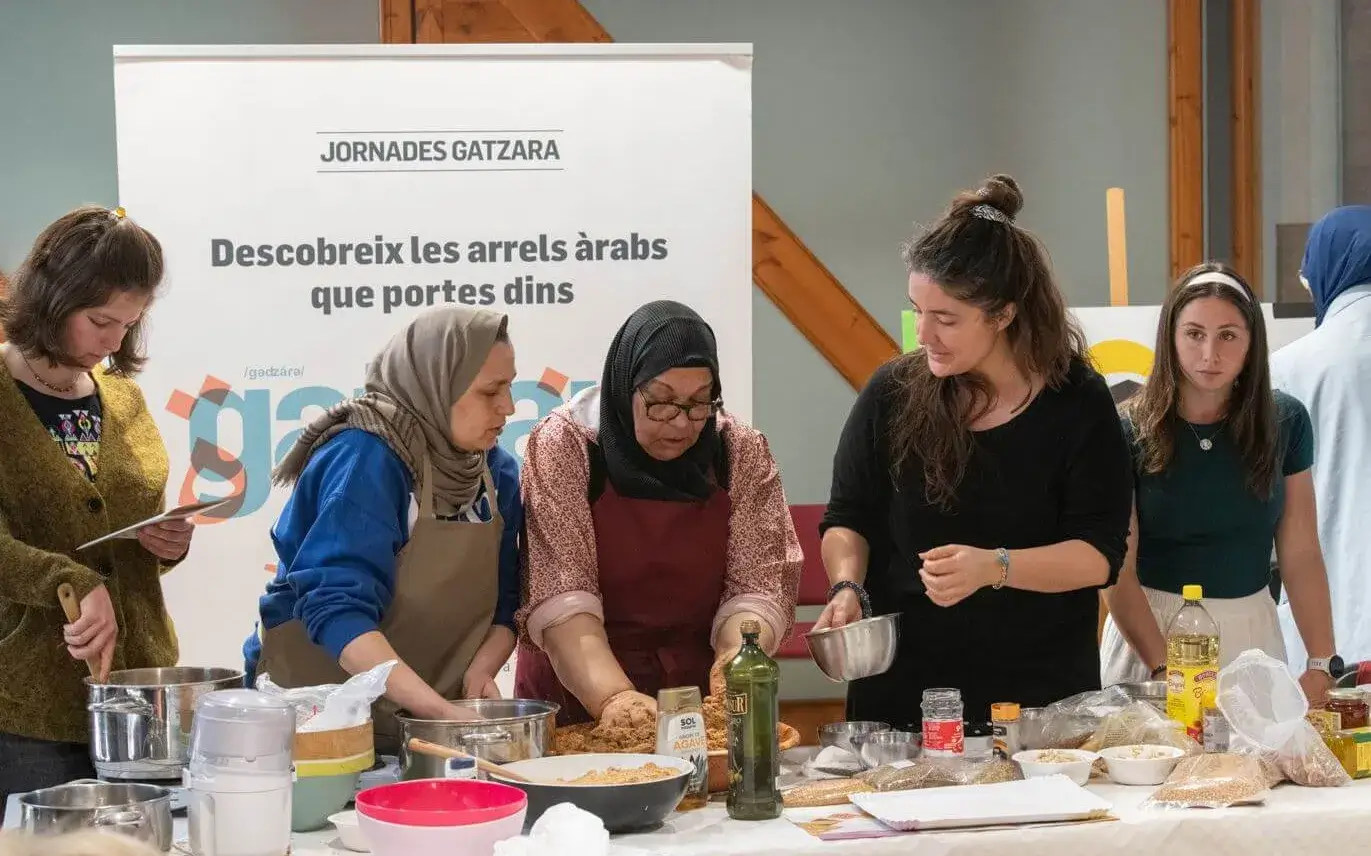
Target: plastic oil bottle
<point x="1192" y="663"/>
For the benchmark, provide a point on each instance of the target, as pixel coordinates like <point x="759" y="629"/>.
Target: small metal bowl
<point x="841" y="734"/>
<point x="857" y="650"/>
<point x="1152" y="692"/>
<point x="878" y="748"/>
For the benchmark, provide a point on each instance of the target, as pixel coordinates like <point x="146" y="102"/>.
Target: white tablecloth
<point x="1294" y="820"/>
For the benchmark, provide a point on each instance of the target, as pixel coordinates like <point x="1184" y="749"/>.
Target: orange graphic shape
<point x="554" y="381"/>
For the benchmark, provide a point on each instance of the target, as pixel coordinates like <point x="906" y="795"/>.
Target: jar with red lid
<point x="1351" y="706"/>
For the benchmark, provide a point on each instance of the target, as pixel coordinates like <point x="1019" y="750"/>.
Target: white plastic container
<point x="239" y="779"/>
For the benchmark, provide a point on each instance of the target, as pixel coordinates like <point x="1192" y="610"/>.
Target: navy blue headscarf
<point x="1337" y="255"/>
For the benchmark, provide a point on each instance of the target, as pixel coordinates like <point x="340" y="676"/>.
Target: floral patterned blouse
<point x="562" y="578"/>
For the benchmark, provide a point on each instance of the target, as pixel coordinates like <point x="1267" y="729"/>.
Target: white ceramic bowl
<point x="349" y="832"/>
<point x="1048" y="762"/>
<point x="1141" y="765"/>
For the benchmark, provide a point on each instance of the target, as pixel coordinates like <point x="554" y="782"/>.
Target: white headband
<point x="1218" y="278"/>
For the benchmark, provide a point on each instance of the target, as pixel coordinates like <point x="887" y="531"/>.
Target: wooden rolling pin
<point x="72" y="607"/>
<point x="423" y="747"/>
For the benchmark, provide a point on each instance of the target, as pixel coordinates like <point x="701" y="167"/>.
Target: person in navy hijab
<point x="1329" y="370"/>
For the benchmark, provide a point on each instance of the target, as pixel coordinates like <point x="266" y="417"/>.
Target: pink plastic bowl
<point x="441" y="802"/>
<point x="476" y="839"/>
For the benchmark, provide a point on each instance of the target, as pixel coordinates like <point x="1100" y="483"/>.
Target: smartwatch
<point x="1159" y="672"/>
<point x="1332" y="666"/>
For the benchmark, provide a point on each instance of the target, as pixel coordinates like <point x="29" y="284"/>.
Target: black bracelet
<point x="1159" y="672"/>
<point x="857" y="589"/>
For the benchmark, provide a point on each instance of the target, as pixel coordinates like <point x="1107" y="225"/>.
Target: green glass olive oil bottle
<point x="752" y="681"/>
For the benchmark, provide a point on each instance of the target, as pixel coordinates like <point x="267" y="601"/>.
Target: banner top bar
<point x="617" y="50"/>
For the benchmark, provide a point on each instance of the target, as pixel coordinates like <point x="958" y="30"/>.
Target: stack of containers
<point x="240" y="776"/>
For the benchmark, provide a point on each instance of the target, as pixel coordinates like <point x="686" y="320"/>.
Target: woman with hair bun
<point x="981" y="487"/>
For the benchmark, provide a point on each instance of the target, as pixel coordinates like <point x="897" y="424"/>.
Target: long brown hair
<point x="1251" y="419"/>
<point x="989" y="262"/>
<point x="77" y="263"/>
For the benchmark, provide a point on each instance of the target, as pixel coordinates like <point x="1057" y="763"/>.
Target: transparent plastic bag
<point x="1211" y="781"/>
<point x="1266" y="711"/>
<point x="1140" y="724"/>
<point x="1069" y="723"/>
<point x="941" y="773"/>
<point x="330" y="707"/>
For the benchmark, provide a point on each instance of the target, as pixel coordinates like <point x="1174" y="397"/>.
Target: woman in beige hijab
<point x="362" y="577"/>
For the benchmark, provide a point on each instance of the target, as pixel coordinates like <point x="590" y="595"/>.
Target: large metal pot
<point x="509" y="730"/>
<point x="142" y="812"/>
<point x="140" y="719"/>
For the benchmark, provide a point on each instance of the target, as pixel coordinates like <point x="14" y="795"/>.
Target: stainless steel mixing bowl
<point x="857" y="650"/>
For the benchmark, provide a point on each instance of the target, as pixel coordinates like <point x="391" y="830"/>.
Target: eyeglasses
<point x="695" y="411"/>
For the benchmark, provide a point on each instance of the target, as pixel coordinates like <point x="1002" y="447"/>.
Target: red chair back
<point x="813" y="579"/>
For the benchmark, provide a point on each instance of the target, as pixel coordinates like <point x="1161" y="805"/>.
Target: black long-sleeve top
<point x="1058" y="471"/>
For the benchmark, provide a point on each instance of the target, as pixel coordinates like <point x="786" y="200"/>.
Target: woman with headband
<point x="1222" y="468"/>
<point x="981" y="487"/>
<point x="1327" y="370"/>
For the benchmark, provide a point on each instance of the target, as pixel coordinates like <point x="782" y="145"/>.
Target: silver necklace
<point x="1206" y="443"/>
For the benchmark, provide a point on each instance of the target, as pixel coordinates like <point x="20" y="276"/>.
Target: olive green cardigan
<point x="48" y="509"/>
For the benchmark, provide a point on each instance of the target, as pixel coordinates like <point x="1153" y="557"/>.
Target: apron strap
<point x="426" y="493"/>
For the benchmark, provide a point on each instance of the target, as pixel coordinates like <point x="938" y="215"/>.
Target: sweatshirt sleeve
<point x="349" y="515"/>
<point x="504" y="472"/>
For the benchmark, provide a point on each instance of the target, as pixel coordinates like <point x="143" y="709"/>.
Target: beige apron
<point x="446" y="582"/>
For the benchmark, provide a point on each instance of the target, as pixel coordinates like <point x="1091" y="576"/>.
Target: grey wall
<point x="57" y="86"/>
<point x="870" y="114"/>
<point x="1356" y="95"/>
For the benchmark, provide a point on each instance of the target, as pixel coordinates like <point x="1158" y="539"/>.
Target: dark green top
<point x="1199" y="523"/>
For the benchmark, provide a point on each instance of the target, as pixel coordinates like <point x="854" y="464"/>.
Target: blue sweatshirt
<point x="337" y="538"/>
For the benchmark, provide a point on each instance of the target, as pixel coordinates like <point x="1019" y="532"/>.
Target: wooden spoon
<point x="72" y="607"/>
<point x="423" y="747"/>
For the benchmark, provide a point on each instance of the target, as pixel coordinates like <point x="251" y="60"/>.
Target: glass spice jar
<point x="942" y="723"/>
<point x="1351" y="707"/>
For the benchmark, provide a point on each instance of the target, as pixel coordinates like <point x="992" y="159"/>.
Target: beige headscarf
<point x="411" y="387"/>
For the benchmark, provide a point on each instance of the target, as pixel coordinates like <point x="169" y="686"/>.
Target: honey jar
<point x="1351" y="707"/>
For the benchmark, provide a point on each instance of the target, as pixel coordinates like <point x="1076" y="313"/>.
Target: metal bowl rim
<point x="227" y="675"/>
<point x="161" y="793"/>
<point x="887" y="618"/>
<point x="552" y="710"/>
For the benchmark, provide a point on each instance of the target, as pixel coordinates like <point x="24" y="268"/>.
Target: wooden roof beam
<point x="805" y="291"/>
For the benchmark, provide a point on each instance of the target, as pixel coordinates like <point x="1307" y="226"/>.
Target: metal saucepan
<point x="509" y="730"/>
<point x="140" y="719"/>
<point x="142" y="812"/>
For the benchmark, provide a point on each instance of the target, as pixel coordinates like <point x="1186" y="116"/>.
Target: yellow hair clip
<point x="119" y="213"/>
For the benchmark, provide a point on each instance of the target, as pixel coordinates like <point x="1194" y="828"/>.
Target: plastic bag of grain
<point x="1216" y="780"/>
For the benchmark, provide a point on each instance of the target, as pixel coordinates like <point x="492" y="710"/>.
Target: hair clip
<point x="119" y="213"/>
<point x="990" y="212"/>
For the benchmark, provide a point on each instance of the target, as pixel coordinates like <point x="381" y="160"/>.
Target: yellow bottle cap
<point x="1193" y="592"/>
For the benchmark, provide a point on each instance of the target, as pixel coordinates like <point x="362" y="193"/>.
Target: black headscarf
<point x="659" y="336"/>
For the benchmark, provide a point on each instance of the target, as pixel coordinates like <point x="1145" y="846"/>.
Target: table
<point x="1293" y="820"/>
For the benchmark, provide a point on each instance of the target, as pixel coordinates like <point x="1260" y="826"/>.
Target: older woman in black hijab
<point x="656" y="524"/>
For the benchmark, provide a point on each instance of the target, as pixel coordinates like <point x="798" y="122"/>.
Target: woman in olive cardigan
<point x="80" y="457"/>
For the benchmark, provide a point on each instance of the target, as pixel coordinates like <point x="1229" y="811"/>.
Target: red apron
<point x="662" y="569"/>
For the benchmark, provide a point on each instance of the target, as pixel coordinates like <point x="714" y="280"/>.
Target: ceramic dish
<point x="1141" y="765"/>
<point x="1075" y="764"/>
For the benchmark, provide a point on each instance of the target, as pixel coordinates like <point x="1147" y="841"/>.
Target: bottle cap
<point x="1193" y="592"/>
<point x="1004" y="710"/>
<point x="750" y="627"/>
<point x="675" y="699"/>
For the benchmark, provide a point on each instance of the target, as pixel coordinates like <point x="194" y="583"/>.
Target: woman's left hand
<point x="1316" y="685"/>
<point x="168" y="540"/>
<point x="954" y="572"/>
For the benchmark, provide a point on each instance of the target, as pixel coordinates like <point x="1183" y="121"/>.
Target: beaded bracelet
<point x="857" y="589"/>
